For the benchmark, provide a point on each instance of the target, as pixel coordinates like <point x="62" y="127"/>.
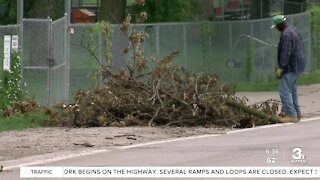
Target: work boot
<point x="288" y="119"/>
<point x="299" y="116"/>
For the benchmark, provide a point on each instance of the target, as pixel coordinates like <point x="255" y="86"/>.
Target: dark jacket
<point x="291" y="55"/>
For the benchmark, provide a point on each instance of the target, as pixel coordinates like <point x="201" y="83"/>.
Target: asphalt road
<point x="274" y="145"/>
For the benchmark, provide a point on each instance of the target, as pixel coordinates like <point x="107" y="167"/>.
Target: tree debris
<point x="157" y="92"/>
<point x="84" y="144"/>
<point x="132" y="138"/>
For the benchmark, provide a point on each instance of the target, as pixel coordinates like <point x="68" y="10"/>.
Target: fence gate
<point x="44" y="60"/>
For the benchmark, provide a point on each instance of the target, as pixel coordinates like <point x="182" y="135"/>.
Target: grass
<point x="20" y="121"/>
<point x="305" y="79"/>
<point x="310" y="78"/>
<point x="89" y="2"/>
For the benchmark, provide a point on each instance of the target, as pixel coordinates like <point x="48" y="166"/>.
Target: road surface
<point x="273" y="145"/>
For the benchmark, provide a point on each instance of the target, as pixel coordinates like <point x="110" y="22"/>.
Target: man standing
<point x="291" y="63"/>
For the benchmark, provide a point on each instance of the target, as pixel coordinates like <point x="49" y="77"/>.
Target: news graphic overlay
<point x="272" y="155"/>
<point x="298" y="156"/>
<point x="170" y="172"/>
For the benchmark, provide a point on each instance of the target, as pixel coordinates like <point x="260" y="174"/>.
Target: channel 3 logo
<point x="298" y="156"/>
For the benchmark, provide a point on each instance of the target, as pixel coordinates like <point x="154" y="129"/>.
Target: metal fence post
<point x="50" y="54"/>
<point x="67" y="49"/>
<point x="261" y="9"/>
<point x="20" y="35"/>
<point x="223" y="9"/>
<point x="313" y="65"/>
<point x="231" y="48"/>
<point x="185" y="44"/>
<point x="19" y="11"/>
<point x="157" y="41"/>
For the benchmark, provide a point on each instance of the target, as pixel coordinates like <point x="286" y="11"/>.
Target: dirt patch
<point x="30" y="142"/>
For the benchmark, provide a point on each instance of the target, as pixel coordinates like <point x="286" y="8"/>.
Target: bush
<point x="11" y="87"/>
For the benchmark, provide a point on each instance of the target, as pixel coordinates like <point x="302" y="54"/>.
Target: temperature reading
<point x="271" y="160"/>
<point x="272" y="154"/>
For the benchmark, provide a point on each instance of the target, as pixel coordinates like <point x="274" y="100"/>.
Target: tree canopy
<point x="168" y="10"/>
<point x="113" y="11"/>
<point x="32" y="9"/>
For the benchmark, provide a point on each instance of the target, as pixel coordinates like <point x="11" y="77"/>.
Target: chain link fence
<point x="58" y="65"/>
<point x="44" y="60"/>
<point x="35" y="53"/>
<point x="235" y="50"/>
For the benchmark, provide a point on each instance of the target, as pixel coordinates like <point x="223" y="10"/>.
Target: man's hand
<point x="279" y="73"/>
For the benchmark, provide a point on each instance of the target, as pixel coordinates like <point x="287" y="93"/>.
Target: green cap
<point x="278" y="19"/>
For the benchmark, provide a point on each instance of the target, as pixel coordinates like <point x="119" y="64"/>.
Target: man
<point x="291" y="63"/>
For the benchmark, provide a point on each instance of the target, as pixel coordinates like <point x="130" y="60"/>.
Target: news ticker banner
<point x="169" y="172"/>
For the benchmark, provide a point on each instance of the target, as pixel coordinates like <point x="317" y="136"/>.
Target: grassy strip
<point x="310" y="78"/>
<point x="305" y="79"/>
<point x="22" y="121"/>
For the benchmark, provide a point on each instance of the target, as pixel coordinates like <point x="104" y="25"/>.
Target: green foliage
<point x="103" y="31"/>
<point x="315" y="34"/>
<point x="32" y="9"/>
<point x="10" y="15"/>
<point x="113" y="11"/>
<point x="100" y="31"/>
<point x="207" y="31"/>
<point x="167" y="10"/>
<point x="11" y="89"/>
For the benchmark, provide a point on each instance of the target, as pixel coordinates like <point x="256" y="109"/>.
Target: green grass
<point x="89" y="2"/>
<point x="257" y="86"/>
<point x="305" y="79"/>
<point x="20" y="122"/>
<point x="310" y="78"/>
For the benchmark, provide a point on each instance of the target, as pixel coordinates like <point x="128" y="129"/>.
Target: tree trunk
<point x="260" y="9"/>
<point x="294" y="6"/>
<point x="252" y="111"/>
<point x="113" y="11"/>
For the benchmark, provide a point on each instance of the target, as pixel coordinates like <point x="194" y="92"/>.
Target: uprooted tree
<point x="166" y="94"/>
